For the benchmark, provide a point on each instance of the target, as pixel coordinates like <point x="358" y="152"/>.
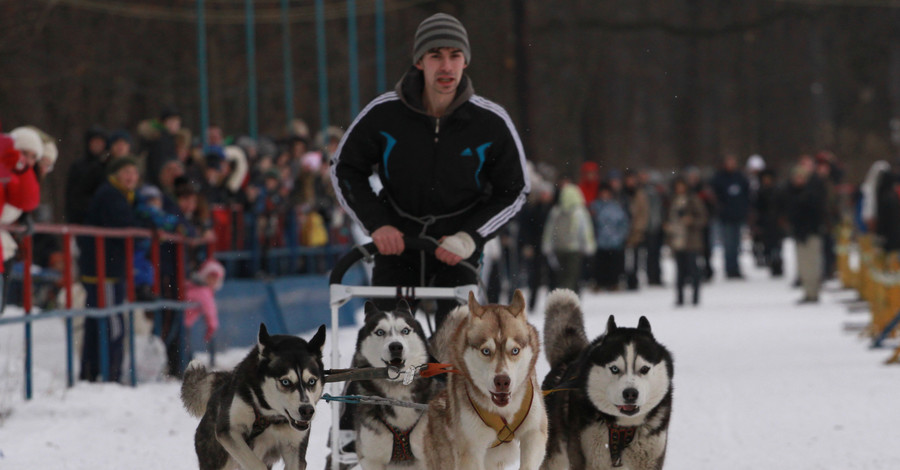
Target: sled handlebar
<point x="363" y="251"/>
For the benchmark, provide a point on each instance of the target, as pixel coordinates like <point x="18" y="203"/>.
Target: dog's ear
<point x="517" y="306"/>
<point x="403" y="306"/>
<point x="474" y="307"/>
<point x="370" y="309"/>
<point x="263" y="339"/>
<point x="611" y="324"/>
<point x="644" y="324"/>
<point x="317" y="343"/>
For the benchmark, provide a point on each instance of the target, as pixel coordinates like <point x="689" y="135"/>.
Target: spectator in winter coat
<point x="806" y="212"/>
<point x="635" y="201"/>
<point x="119" y="144"/>
<point x="869" y="195"/>
<point x="86" y="176"/>
<point x="568" y="237"/>
<point x="697" y="185"/>
<point x="611" y="229"/>
<point x="112" y="206"/>
<point x="887" y="220"/>
<point x="770" y="220"/>
<point x="654" y="239"/>
<point x="201" y="289"/>
<point x="532" y="221"/>
<point x="684" y="226"/>
<point x="732" y="191"/>
<point x="589" y="181"/>
<point x="158" y="142"/>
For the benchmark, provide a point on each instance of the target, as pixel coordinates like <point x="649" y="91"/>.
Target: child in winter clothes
<point x="684" y="227"/>
<point x="201" y="289"/>
<point x="568" y="236"/>
<point x="612" y="226"/>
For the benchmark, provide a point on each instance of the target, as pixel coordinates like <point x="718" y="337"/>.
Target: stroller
<point x="340" y="294"/>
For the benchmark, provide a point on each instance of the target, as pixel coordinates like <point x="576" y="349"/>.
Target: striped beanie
<point x="441" y="30"/>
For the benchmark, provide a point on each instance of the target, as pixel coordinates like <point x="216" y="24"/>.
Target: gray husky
<point x="390" y="436"/>
<point x="259" y="412"/>
<point x="615" y="395"/>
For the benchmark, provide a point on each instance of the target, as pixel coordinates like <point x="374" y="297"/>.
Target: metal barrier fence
<point x="103" y="312"/>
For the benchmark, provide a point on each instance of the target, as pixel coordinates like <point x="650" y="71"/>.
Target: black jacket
<point x="110" y="207"/>
<point x="806" y="209"/>
<point x="469" y="163"/>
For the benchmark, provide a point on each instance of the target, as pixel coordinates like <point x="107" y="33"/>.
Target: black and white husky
<point x="616" y="392"/>
<point x="390" y="436"/>
<point x="260" y="412"/>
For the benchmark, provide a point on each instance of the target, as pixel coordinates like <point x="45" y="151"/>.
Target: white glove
<point x="460" y="244"/>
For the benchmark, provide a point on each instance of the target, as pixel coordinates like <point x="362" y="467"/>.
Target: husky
<point x="494" y="402"/>
<point x="615" y="393"/>
<point x="259" y="412"/>
<point x="389" y="437"/>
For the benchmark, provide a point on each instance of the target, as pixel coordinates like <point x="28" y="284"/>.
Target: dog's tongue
<point x="627" y="408"/>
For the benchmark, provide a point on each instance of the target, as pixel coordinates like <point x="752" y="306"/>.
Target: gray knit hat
<point x="441" y="30"/>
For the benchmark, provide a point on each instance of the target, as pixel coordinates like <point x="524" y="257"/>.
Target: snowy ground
<point x="760" y="384"/>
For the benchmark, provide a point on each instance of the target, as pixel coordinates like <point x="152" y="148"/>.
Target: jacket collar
<point x="410" y="87"/>
<point x="129" y="194"/>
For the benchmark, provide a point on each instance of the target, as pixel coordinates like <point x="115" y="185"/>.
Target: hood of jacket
<point x="412" y="84"/>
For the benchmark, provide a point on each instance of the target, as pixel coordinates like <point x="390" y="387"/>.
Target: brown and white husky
<point x="492" y="412"/>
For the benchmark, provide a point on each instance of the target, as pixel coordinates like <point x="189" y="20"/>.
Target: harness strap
<point x="261" y="422"/>
<point x="402" y="449"/>
<point x="619" y="438"/>
<point x="506" y="432"/>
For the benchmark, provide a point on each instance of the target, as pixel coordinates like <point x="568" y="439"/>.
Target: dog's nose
<point x="502" y="382"/>
<point x="630" y="395"/>
<point x="306" y="412"/>
<point x="396" y="349"/>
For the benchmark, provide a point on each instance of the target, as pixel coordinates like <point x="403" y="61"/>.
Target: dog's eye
<point x="379" y="332"/>
<point x="614" y="369"/>
<point x="515" y="351"/>
<point x="405" y="331"/>
<point x="645" y="369"/>
<point x="312" y="381"/>
<point x="486" y="352"/>
<point x="285" y="383"/>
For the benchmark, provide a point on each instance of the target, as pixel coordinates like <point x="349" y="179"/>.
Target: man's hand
<point x="388" y="240"/>
<point x="455" y="248"/>
<point x="446" y="257"/>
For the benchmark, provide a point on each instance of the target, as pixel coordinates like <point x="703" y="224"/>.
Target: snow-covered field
<point x="760" y="384"/>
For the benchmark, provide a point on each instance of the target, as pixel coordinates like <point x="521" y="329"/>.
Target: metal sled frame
<point x="340" y="294"/>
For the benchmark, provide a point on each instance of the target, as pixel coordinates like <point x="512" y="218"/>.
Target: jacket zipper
<point x="437" y="128"/>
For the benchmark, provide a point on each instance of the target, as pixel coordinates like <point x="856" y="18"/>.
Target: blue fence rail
<point x="101" y="313"/>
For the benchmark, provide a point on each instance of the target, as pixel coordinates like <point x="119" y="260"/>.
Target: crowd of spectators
<point x="603" y="230"/>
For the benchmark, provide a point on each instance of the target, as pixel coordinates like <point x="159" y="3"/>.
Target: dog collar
<point x="506" y="432"/>
<point x="619" y="438"/>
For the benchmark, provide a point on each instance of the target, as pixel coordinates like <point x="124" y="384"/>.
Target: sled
<point x="340" y="294"/>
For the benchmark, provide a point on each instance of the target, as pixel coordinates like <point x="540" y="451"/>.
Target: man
<point x="112" y="206"/>
<point x="158" y="142"/>
<point x="86" y="175"/>
<point x="732" y="191"/>
<point x="634" y="198"/>
<point x="806" y="212"/>
<point x="450" y="162"/>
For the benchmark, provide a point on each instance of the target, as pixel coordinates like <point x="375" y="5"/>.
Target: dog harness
<point x="506" y="432"/>
<point x="261" y="422"/>
<point x="402" y="449"/>
<point x="619" y="438"/>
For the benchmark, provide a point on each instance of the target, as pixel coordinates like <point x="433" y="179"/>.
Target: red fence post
<point x="154" y="258"/>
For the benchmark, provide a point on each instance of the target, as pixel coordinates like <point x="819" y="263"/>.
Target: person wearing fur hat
<point x="450" y="162"/>
<point x="111" y="206"/>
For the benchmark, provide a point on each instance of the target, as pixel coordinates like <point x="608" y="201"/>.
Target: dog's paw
<point x="196" y="364"/>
